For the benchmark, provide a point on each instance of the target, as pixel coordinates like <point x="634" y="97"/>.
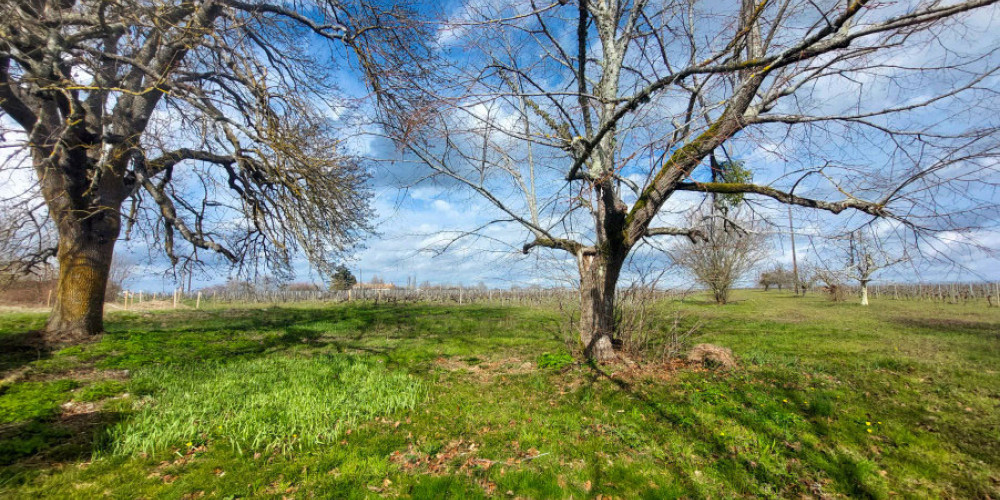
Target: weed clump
<point x="554" y="361"/>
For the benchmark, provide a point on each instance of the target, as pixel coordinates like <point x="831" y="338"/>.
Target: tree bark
<point x="88" y="220"/>
<point x="86" y="249"/>
<point x="78" y="313"/>
<point x="598" y="280"/>
<point x="864" y="293"/>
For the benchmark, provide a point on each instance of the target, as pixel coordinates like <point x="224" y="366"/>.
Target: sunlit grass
<point x="261" y="404"/>
<point x="829" y="400"/>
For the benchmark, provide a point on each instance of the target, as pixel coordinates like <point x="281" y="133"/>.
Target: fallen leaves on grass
<point x="456" y="457"/>
<point x="486" y="370"/>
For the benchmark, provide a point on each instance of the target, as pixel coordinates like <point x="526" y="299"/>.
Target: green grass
<point x="33" y="400"/>
<point x="353" y="401"/>
<point x="555" y="361"/>
<point x="261" y="404"/>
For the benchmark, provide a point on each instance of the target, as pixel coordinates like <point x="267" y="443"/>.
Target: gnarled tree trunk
<point x="84" y="265"/>
<point x="864" y="293"/>
<point x="87" y="218"/>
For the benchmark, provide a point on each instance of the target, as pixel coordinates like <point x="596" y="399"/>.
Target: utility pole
<point x="795" y="261"/>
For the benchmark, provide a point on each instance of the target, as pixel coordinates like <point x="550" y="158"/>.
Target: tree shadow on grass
<point x="223" y="334"/>
<point x="17" y="350"/>
<point x="29" y="446"/>
<point x="949" y="325"/>
<point x="361" y="316"/>
<point x="814" y="465"/>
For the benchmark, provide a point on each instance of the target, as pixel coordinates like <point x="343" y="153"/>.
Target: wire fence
<point x="985" y="293"/>
<point x="952" y="293"/>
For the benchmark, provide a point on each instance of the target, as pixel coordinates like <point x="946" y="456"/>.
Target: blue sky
<point x="414" y="222"/>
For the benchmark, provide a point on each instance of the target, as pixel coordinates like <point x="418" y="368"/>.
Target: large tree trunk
<point x="85" y="254"/>
<point x="864" y="293"/>
<point x="598" y="279"/>
<point x="86" y="212"/>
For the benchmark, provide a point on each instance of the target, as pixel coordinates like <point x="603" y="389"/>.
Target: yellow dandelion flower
<point x="868" y="423"/>
<point x="869" y="430"/>
<point x="189" y="444"/>
<point x="784" y="400"/>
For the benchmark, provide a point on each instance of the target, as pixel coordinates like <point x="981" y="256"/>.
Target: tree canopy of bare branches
<point x="866" y="256"/>
<point x="589" y="123"/>
<point x="722" y="256"/>
<point x="203" y="123"/>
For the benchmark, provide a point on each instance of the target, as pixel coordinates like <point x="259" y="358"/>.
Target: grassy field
<point x="328" y="401"/>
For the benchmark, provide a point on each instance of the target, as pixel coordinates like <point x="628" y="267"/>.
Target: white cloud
<point x="441" y="205"/>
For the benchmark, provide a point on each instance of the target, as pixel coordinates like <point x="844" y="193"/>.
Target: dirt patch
<point x="712" y="356"/>
<point x="80" y="375"/>
<point x="73" y="408"/>
<point x="644" y="371"/>
<point x="485" y="370"/>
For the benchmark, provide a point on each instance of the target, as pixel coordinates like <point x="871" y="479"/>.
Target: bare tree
<point x="121" y="273"/>
<point x="807" y="277"/>
<point x="26" y="241"/>
<point x="833" y="283"/>
<point x="776" y="276"/>
<point x="721" y="255"/>
<point x="206" y="119"/>
<point x="589" y="123"/>
<point x="866" y="256"/>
